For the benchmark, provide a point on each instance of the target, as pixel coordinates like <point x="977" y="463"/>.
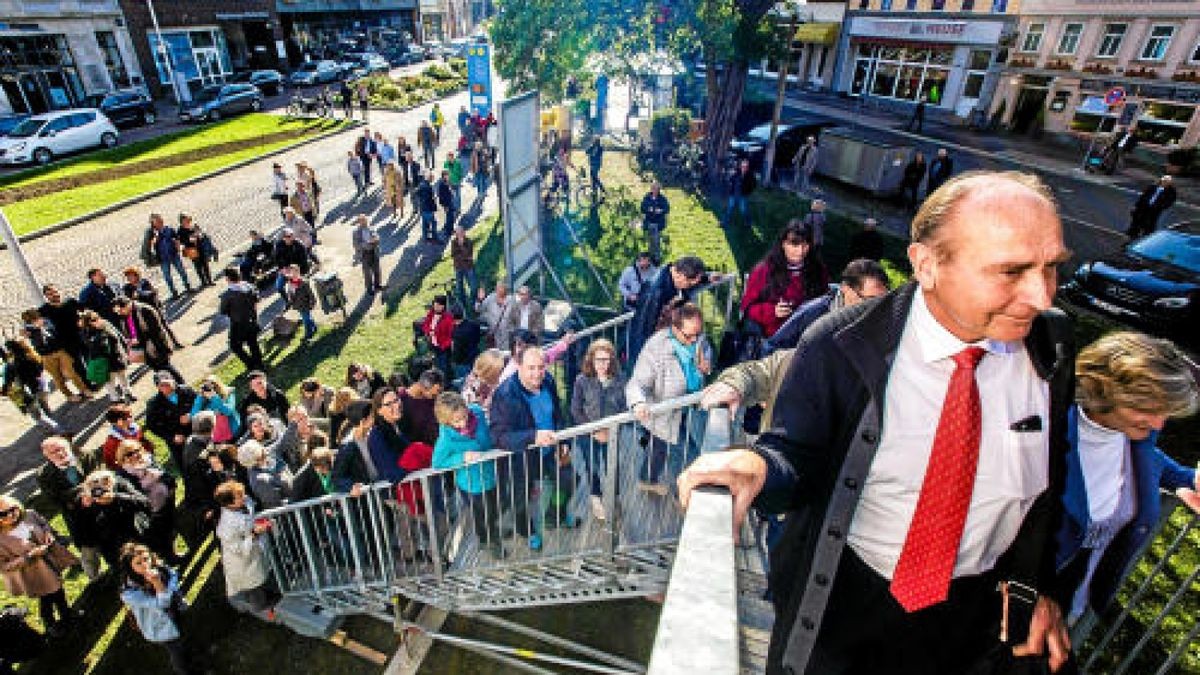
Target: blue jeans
<point x="738" y="202"/>
<point x="310" y="326"/>
<point x="480" y="182"/>
<point x="175" y="261"/>
<point x="428" y="225"/>
<point x="592" y="463"/>
<point x="464" y="279"/>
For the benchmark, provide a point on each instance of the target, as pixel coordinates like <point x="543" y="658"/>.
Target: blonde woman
<point x="1127" y="386"/>
<point x="31" y="560"/>
<point x="483" y="379"/>
<point x="337" y="413"/>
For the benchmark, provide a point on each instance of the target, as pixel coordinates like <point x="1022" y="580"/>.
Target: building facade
<point x="947" y="52"/>
<point x="54" y="53"/>
<point x="814" y="41"/>
<point x="1069" y="56"/>
<point x="443" y="20"/>
<point x="202" y="42"/>
<point x="318" y="28"/>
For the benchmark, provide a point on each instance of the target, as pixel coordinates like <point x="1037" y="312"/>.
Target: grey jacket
<point x="592" y="400"/>
<point x="365" y="241"/>
<point x="658" y="377"/>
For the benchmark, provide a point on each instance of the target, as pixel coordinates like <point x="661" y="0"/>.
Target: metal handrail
<point x="698" y="628"/>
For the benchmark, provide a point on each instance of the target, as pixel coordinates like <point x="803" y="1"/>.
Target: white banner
<point x="955" y="32"/>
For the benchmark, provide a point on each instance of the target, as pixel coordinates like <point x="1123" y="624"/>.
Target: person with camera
<point x="111" y="513"/>
<point x="136" y="465"/>
<point x="32" y="561"/>
<point x="242" y="557"/>
<point x="220" y="400"/>
<point x="150" y="591"/>
<point x="58" y="480"/>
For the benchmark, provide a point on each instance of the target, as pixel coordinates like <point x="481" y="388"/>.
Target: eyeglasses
<point x="392" y="402"/>
<point x="11" y="511"/>
<point x="602" y="359"/>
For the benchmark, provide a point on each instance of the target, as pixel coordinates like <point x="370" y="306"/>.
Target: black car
<point x="124" y="108"/>
<point x="1153" y="282"/>
<point x="222" y="100"/>
<point x="752" y="145"/>
<point x="270" y="82"/>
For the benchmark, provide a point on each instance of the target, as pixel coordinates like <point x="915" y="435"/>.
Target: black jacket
<point x="275" y="403"/>
<point x="150" y="329"/>
<point x="110" y="526"/>
<point x="658" y="295"/>
<point x="162" y="416"/>
<point x="939" y="172"/>
<point x="307" y="485"/>
<point x="655" y="210"/>
<point x="445" y="195"/>
<point x="99" y="298"/>
<point x="44" y="338"/>
<point x="65" y="317"/>
<point x="1143" y="207"/>
<point x="424" y="196"/>
<point x="841" y="365"/>
<point x="60" y="492"/>
<point x="349" y="467"/>
<point x="291" y="253"/>
<point x="239" y="302"/>
<point x="742" y="183"/>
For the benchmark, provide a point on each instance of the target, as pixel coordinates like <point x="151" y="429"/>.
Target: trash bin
<point x="330" y="292"/>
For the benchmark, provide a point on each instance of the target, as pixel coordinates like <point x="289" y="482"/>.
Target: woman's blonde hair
<point x="589" y="359"/>
<point x="1133" y="370"/>
<point x="489" y="365"/>
<point x="447" y="405"/>
<point x="341" y="399"/>
<point x="7" y="502"/>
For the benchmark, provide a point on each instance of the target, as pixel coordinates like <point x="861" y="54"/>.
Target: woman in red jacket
<point x="791" y="273"/>
<point x="439" y="328"/>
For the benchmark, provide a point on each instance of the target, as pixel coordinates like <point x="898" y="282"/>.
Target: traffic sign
<point x="1114" y="96"/>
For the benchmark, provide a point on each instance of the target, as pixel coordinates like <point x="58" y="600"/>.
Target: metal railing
<point x="592" y="516"/>
<point x="1155" y="622"/>
<point x="698" y="627"/>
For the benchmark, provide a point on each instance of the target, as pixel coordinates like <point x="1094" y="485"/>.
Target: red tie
<point x="922" y="576"/>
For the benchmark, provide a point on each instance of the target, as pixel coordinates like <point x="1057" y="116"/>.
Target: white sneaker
<point x="598" y="508"/>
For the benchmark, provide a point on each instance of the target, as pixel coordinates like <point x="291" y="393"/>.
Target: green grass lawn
<point x="33" y="214"/>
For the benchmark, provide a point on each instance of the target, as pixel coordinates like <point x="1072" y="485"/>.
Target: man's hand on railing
<point x="544" y="437"/>
<point x="356" y="490"/>
<point x="642" y="411"/>
<point x="743" y="472"/>
<point x="1047" y="632"/>
<point x="1189" y="497"/>
<point x="720" y="394"/>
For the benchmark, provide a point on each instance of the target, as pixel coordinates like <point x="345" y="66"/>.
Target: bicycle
<point x="301" y="106"/>
<point x="588" y="195"/>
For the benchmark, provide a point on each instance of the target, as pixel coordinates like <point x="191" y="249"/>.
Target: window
<point x="910" y="5"/>
<point x="968" y="5"/>
<point x="999" y="6"/>
<point x="1196" y="54"/>
<point x="1114" y="35"/>
<point x="1069" y="42"/>
<point x="1033" y="37"/>
<point x="938" y="5"/>
<point x="107" y="42"/>
<point x="1157" y="43"/>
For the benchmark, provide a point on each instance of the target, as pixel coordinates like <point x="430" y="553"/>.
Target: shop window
<point x="107" y="41"/>
<point x="1114" y="35"/>
<point x="968" y="5"/>
<point x="980" y="59"/>
<point x="909" y="83"/>
<point x="938" y="5"/>
<point x="934" y="86"/>
<point x="885" y="80"/>
<point x="941" y="57"/>
<point x="1157" y="43"/>
<point x="1033" y="37"/>
<point x="1068" y="43"/>
<point x="910" y="5"/>
<point x="973" y="85"/>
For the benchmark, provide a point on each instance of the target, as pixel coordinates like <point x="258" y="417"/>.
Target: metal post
<point x="780" y="93"/>
<point x="612" y="479"/>
<point x="22" y="264"/>
<point x="165" y="52"/>
<point x="431" y="520"/>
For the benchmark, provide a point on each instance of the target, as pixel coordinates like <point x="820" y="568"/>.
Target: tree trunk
<point x="724" y="102"/>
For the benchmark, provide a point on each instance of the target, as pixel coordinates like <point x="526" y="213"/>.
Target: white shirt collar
<point x="936" y="343"/>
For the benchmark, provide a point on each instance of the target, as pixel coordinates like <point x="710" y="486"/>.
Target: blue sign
<point x="479" y="78"/>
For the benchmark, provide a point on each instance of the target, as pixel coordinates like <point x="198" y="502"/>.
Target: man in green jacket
<point x="455" y="168"/>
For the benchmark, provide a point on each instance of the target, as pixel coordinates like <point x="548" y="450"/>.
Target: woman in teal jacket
<point x="463" y="435"/>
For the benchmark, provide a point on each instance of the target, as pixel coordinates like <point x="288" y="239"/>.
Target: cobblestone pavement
<point x="228" y="206"/>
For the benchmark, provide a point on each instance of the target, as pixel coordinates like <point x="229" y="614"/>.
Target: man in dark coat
<point x="940" y="170"/>
<point x="525" y="414"/>
<point x="263" y="393"/>
<point x="975" y="331"/>
<point x="674" y="285"/>
<point x="239" y="303"/>
<point x="169" y="414"/>
<point x="427" y="206"/>
<point x="655" y="208"/>
<point x="58" y="482"/>
<point x="741" y="184"/>
<point x="868" y="243"/>
<point x="289" y="251"/>
<point x="1143" y="218"/>
<point x="98" y="295"/>
<point x="143" y="327"/>
<point x="445" y="197"/>
<point x="63" y="312"/>
<point x="365" y="148"/>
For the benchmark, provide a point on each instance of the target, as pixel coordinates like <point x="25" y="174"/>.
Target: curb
<point x="71" y="222"/>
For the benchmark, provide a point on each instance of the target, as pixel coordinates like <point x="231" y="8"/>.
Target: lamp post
<point x="166" y="53"/>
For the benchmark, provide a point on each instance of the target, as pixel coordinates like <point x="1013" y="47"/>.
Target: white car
<point x="43" y="137"/>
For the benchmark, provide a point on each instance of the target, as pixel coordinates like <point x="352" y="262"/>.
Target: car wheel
<point x="108" y="139"/>
<point x="214" y="114"/>
<point x="256" y="104"/>
<point x="149" y="117"/>
<point x="42" y="156"/>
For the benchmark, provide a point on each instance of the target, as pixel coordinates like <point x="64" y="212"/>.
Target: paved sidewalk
<point x="229" y="206"/>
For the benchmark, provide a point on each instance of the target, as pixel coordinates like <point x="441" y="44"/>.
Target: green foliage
<point x="541" y="43"/>
<point x="669" y="124"/>
<point x="440" y="72"/>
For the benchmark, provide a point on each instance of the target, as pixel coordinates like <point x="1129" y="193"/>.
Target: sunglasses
<point x="12" y="511"/>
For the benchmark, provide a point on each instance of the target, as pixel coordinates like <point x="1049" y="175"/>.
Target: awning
<point x="817" y="33"/>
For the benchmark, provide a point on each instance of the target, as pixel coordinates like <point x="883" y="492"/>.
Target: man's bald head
<point x="975" y="192"/>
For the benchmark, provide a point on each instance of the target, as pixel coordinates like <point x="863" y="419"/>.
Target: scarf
<point x="686" y="355"/>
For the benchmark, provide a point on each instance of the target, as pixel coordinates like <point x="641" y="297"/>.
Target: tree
<point x="540" y="43"/>
<point x="731" y="34"/>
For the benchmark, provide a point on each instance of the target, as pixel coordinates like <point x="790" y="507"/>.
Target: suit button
<point x="821" y="580"/>
<point x="851" y="484"/>
<point x="807" y="623"/>
<point x="870" y="436"/>
<point x="835" y="532"/>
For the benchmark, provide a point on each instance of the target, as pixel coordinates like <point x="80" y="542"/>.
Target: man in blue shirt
<point x="161" y="245"/>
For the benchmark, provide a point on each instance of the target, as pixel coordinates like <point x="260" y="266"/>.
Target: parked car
<point x="269" y="82"/>
<point x="1153" y="282"/>
<point x="374" y="63"/>
<point x="752" y="145"/>
<point x="316" y="72"/>
<point x="124" y="108"/>
<point x="10" y="122"/>
<point x="221" y="100"/>
<point x="43" y="137"/>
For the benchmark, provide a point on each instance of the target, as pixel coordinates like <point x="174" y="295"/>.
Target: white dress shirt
<point x="1102" y="456"/>
<point x="1013" y="466"/>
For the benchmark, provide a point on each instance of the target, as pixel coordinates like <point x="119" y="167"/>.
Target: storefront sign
<point x="479" y="78"/>
<point x="956" y="32"/>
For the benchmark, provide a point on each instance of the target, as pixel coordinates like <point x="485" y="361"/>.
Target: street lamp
<point x="166" y="53"/>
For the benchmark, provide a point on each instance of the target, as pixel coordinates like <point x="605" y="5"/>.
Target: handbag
<point x="191" y="253"/>
<point x="743" y="342"/>
<point x="97" y="370"/>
